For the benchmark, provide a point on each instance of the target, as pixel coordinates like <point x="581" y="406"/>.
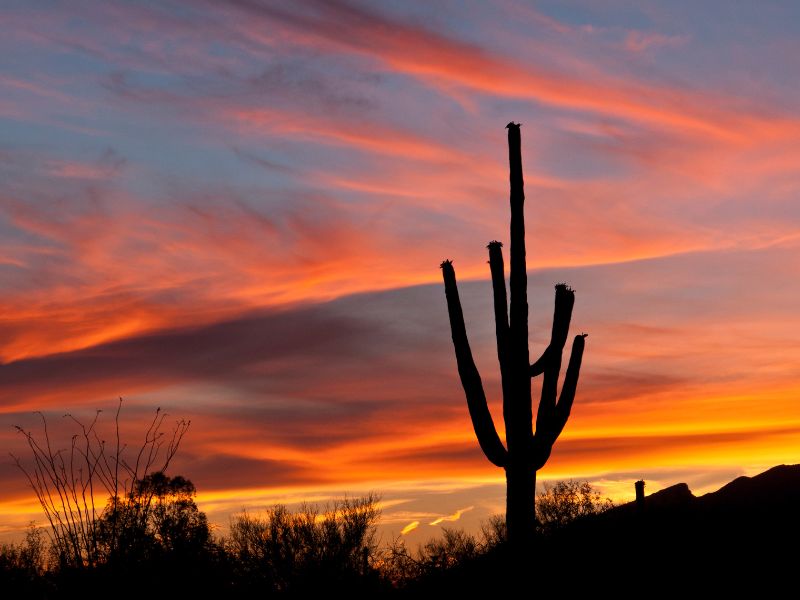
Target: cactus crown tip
<point x="563" y="287"/>
<point x="511" y="124"/>
<point x="494" y="244"/>
<point x="446" y="263"/>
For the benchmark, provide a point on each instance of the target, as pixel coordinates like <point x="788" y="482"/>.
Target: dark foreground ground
<point x="741" y="539"/>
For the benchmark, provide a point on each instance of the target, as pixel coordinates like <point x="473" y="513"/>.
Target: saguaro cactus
<point x="526" y="452"/>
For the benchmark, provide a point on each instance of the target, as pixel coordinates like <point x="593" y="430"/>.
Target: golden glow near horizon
<point x="251" y="239"/>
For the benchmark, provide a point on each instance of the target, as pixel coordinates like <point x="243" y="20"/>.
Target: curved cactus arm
<point x="565" y="300"/>
<point x="570" y="385"/>
<point x="560" y="328"/>
<point x="482" y="421"/>
<point x="547" y="435"/>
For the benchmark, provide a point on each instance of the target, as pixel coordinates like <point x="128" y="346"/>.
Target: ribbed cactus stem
<point x="527" y="452"/>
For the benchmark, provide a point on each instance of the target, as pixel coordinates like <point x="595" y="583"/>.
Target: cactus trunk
<point x="520" y="502"/>
<point x="524" y="452"/>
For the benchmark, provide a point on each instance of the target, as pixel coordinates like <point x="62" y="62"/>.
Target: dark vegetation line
<point x="168" y="549"/>
<point x="738" y="538"/>
<point x="151" y="539"/>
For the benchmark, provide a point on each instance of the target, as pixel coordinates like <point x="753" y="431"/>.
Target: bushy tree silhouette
<point x="526" y="452"/>
<point x="157" y="519"/>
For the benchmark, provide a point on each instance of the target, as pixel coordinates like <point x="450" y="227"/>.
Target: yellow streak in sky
<point x="454" y="517"/>
<point x="409" y="528"/>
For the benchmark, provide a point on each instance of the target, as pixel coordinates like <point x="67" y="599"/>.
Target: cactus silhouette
<point x="526" y="452"/>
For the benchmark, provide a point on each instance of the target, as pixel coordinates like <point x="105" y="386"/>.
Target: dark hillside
<point x="743" y="535"/>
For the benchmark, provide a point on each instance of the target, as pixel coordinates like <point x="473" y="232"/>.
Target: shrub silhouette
<point x="308" y="549"/>
<point x="564" y="502"/>
<point x="23" y="566"/>
<point x="455" y="561"/>
<point x="527" y="452"/>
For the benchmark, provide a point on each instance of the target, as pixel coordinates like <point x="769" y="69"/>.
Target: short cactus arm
<point x="470" y="378"/>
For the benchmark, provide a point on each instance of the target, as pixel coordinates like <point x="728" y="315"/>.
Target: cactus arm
<point x="565" y="300"/>
<point x="544" y="439"/>
<point x="570" y="385"/>
<point x="501" y="320"/>
<point x="482" y="421"/>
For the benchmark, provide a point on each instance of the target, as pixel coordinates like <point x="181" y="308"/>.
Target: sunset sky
<point x="236" y="211"/>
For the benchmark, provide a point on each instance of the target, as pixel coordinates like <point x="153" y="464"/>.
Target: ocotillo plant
<point x="526" y="452"/>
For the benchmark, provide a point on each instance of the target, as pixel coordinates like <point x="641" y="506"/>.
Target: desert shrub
<point x="566" y="501"/>
<point x="310" y="548"/>
<point x="23" y="565"/>
<point x="446" y="556"/>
